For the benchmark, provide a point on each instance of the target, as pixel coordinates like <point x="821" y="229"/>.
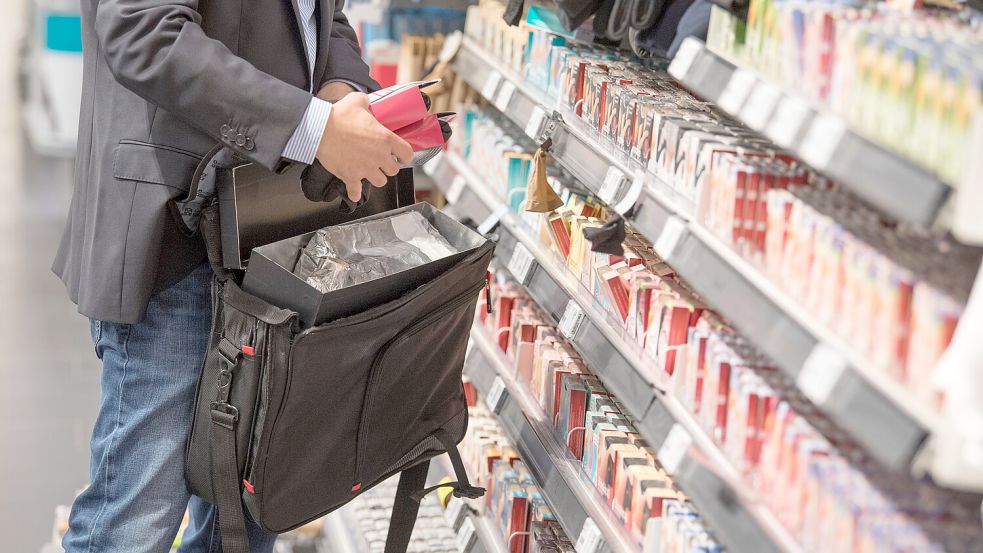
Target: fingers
<point x="391" y="167"/>
<point x="377" y="178"/>
<point x="401" y="149"/>
<point x="354" y="190"/>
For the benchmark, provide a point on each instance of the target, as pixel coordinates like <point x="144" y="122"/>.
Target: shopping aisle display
<point x="791" y="331"/>
<point x="910" y="80"/>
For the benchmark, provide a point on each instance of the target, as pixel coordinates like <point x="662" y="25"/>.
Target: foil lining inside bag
<point x="346" y="255"/>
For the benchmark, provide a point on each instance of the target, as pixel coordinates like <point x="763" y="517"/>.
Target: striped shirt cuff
<point x="302" y="146"/>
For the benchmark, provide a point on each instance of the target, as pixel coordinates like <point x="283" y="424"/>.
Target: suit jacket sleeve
<point x="344" y="55"/>
<point x="158" y="50"/>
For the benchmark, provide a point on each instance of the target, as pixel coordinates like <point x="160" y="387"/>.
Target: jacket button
<point x="240" y="140"/>
<point x="225" y="130"/>
<point x="250" y="144"/>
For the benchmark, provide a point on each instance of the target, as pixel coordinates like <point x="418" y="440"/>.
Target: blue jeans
<point x="137" y="496"/>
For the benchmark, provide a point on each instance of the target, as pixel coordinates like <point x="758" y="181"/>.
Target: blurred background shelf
<point x="739" y="520"/>
<point x="878" y="413"/>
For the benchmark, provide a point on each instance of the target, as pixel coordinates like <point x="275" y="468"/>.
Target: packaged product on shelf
<point x="909" y="79"/>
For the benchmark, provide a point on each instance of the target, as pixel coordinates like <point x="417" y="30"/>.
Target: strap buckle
<point x="226" y="409"/>
<point x="229" y="352"/>
<point x="467" y="491"/>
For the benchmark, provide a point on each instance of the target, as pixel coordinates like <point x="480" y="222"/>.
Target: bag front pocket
<point x="379" y="386"/>
<point x="415" y="380"/>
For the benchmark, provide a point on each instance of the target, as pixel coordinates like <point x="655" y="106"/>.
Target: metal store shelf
<point x="489" y="538"/>
<point x="879" y="414"/>
<point x="570" y="495"/>
<point x="699" y="467"/>
<point x="888" y="181"/>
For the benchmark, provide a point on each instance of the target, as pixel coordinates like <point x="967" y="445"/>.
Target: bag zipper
<point x="375" y="373"/>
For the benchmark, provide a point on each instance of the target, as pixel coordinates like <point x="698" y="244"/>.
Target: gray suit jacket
<point x="164" y="81"/>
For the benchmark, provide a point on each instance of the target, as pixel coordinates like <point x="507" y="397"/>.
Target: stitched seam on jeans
<point x="214" y="546"/>
<point x="112" y="439"/>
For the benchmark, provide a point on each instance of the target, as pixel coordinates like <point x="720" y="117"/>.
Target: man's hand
<point x="356" y="146"/>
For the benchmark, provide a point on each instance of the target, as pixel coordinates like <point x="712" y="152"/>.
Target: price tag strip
<point x="685" y="56"/>
<point x="504" y="96"/>
<point x="455" y="189"/>
<point x="822" y="140"/>
<point x="669" y="239"/>
<point x="571" y="321"/>
<point x="612" y="184"/>
<point x="535" y="124"/>
<point x="590" y="539"/>
<point x="760" y="105"/>
<point x="630" y="198"/>
<point x="455" y="508"/>
<point x="736" y="92"/>
<point x="491" y="85"/>
<point x="493" y="220"/>
<point x="520" y="264"/>
<point x="673" y="450"/>
<point x="452" y="44"/>
<point x="496" y="396"/>
<point x="789" y="117"/>
<point x="466" y="535"/>
<point x="820" y="373"/>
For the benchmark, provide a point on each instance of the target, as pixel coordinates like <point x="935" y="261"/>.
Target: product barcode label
<point x="492" y="221"/>
<point x="789" y="117"/>
<point x="535" y="124"/>
<point x="669" y="238"/>
<point x="465" y="535"/>
<point x="504" y="95"/>
<point x="455" y="508"/>
<point x="820" y="373"/>
<point x="822" y="140"/>
<point x="455" y="189"/>
<point x="685" y="56"/>
<point x="737" y="90"/>
<point x="520" y="264"/>
<point x="630" y="198"/>
<point x="590" y="539"/>
<point x="491" y="85"/>
<point x="611" y="185"/>
<point x="573" y="317"/>
<point x="496" y="396"/>
<point x="674" y="448"/>
<point x="760" y="105"/>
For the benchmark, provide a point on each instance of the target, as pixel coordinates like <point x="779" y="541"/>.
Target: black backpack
<point x="291" y="423"/>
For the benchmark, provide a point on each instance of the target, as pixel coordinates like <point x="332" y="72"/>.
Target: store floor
<point x="48" y="374"/>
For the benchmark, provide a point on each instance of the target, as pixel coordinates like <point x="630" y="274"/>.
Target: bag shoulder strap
<point x="406" y="507"/>
<point x="226" y="488"/>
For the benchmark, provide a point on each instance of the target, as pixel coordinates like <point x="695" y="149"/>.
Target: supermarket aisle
<point x="48" y="374"/>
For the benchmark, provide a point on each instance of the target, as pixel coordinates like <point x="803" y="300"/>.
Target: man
<point x="164" y="81"/>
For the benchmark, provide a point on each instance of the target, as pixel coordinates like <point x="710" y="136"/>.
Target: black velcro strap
<point x="405" y="508"/>
<point x="211" y="233"/>
<point x="463" y="487"/>
<point x="225" y="481"/>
